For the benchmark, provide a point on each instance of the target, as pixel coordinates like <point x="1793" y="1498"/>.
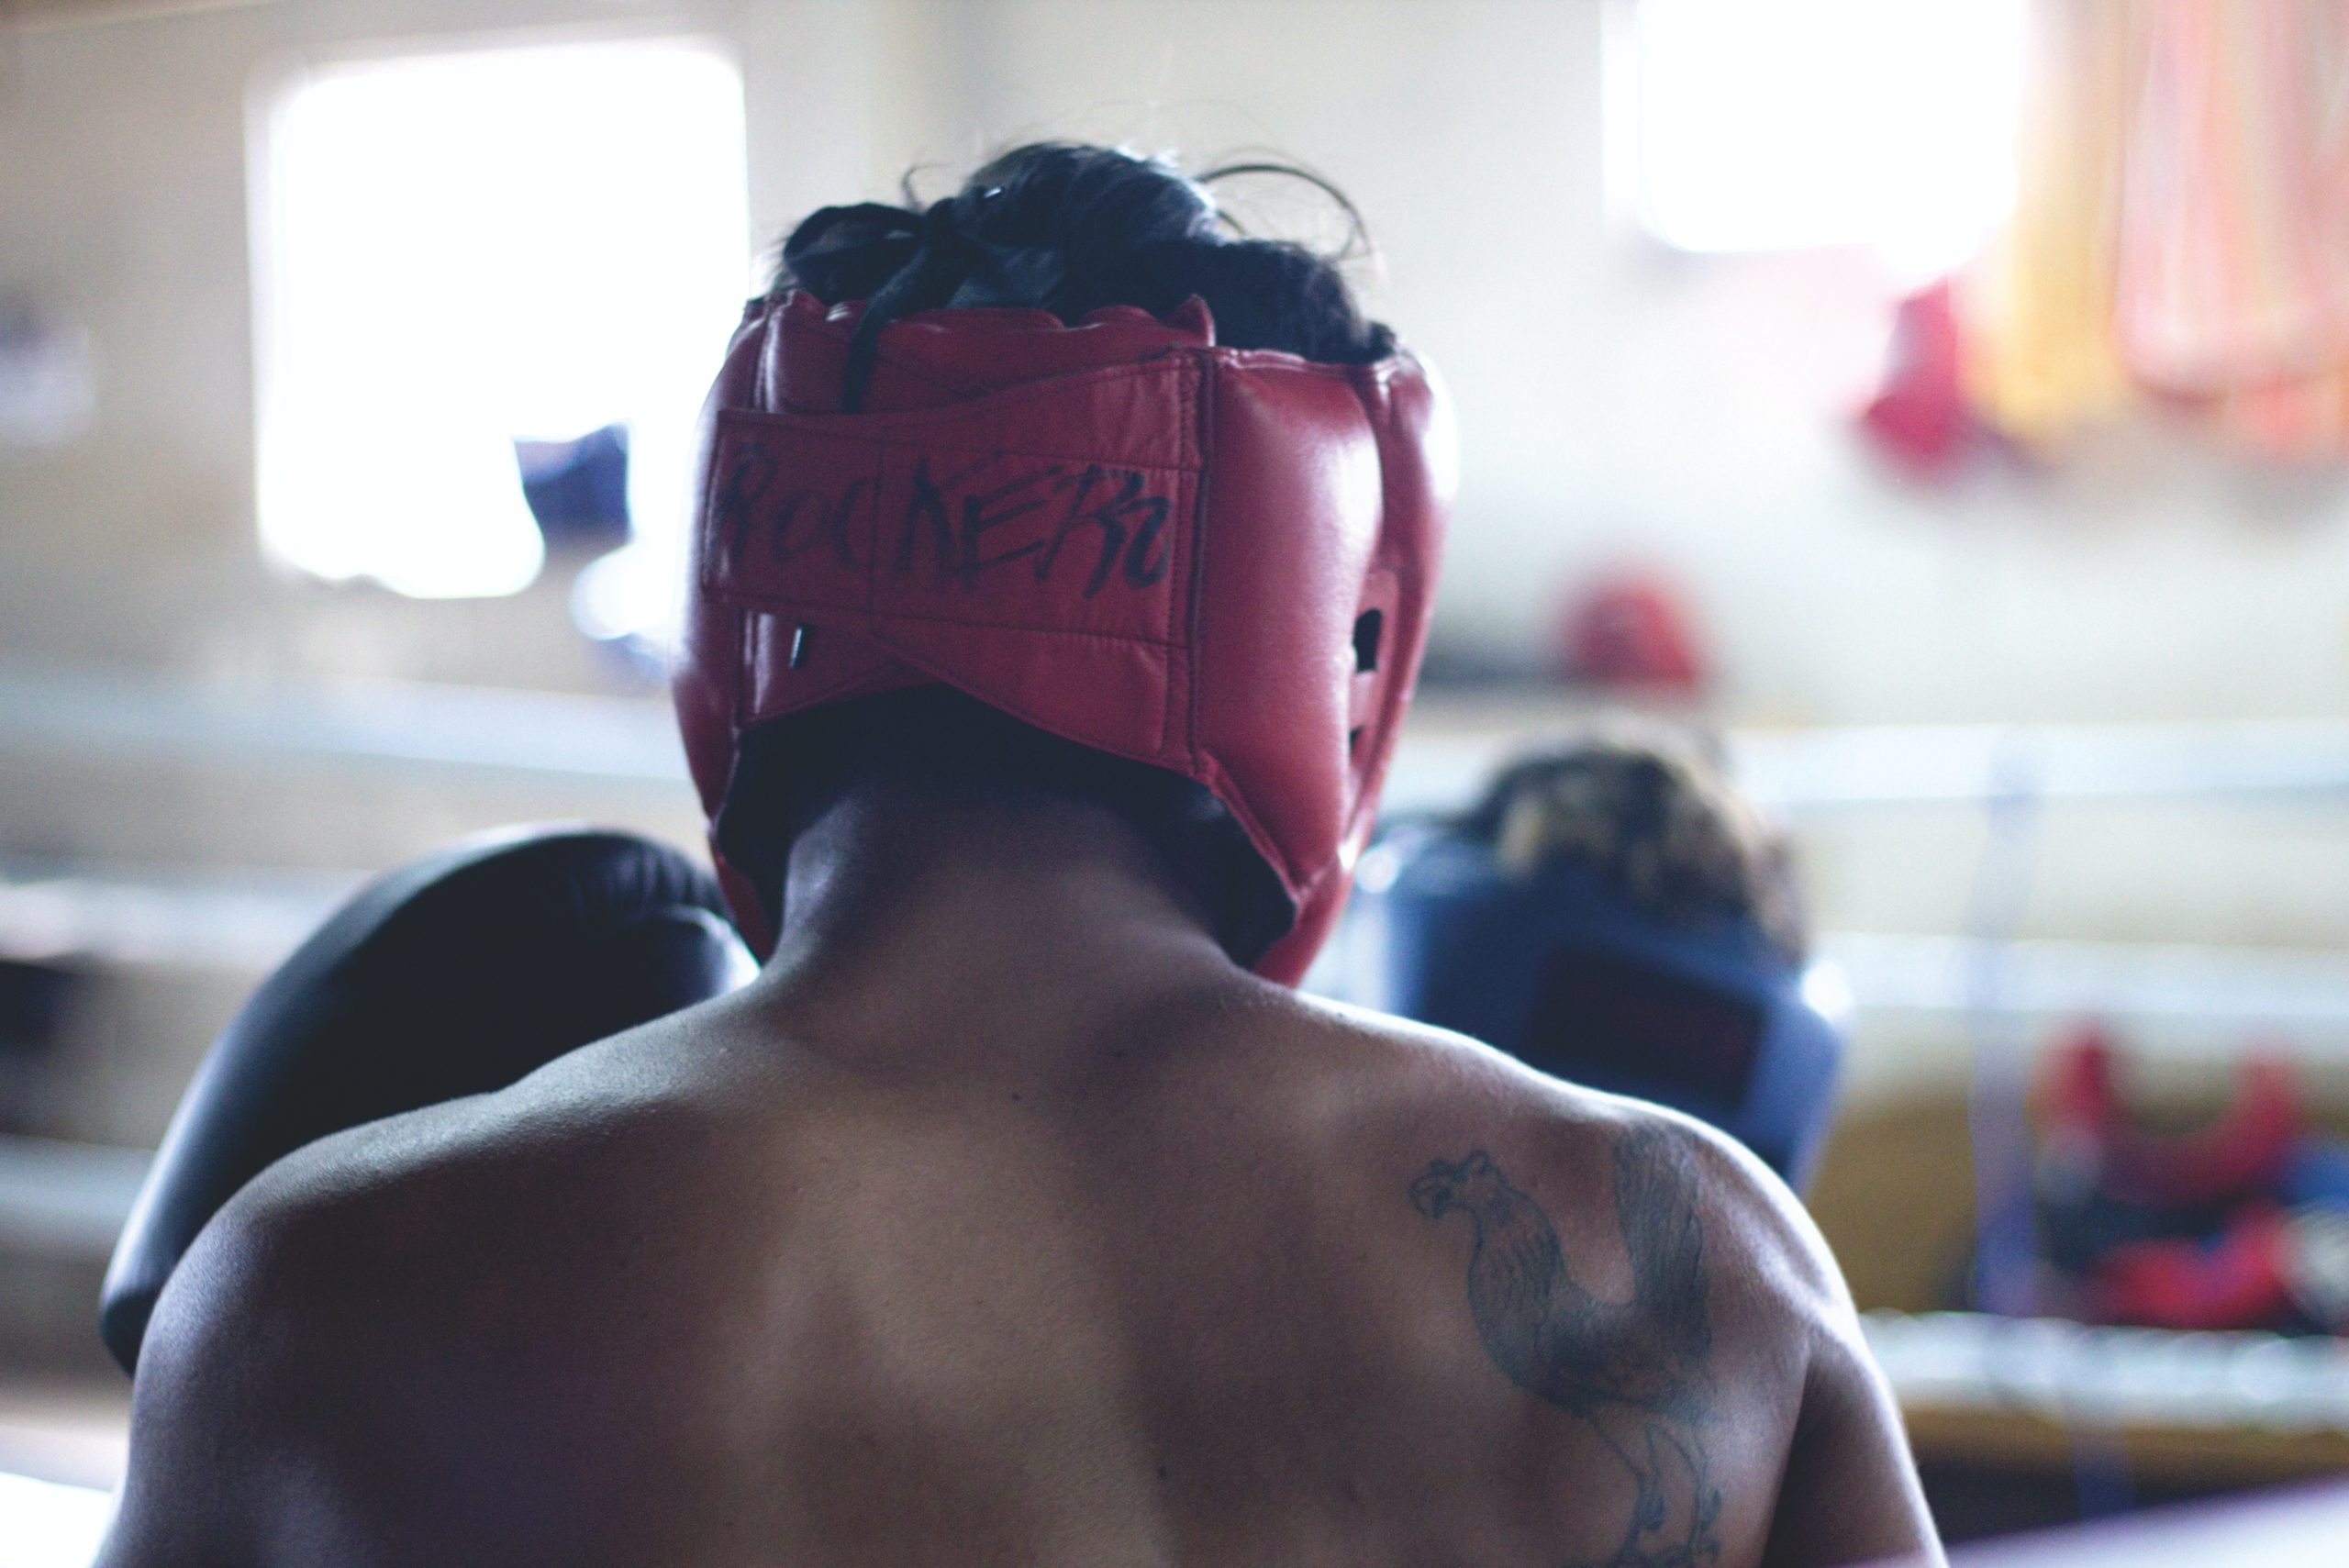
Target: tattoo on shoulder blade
<point x="1639" y="1371"/>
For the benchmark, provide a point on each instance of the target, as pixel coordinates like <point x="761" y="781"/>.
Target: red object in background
<point x="2237" y="1281"/>
<point x="1633" y="630"/>
<point x="1919" y="419"/>
<point x="2242" y="1155"/>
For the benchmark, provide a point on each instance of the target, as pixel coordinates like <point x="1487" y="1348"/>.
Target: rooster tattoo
<point x="1635" y="1371"/>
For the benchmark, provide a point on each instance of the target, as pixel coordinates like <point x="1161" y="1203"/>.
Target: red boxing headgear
<point x="1214" y="561"/>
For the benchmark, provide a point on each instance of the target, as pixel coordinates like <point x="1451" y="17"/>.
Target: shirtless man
<point x="1012" y="1215"/>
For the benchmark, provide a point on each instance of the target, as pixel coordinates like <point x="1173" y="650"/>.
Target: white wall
<point x="1619" y="403"/>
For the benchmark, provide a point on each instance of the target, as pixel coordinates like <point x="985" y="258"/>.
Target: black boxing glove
<point x="456" y="975"/>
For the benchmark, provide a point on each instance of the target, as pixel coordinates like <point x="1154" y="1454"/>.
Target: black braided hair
<point x="1070" y="229"/>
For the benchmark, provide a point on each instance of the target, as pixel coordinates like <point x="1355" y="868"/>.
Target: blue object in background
<point x="2317" y="1171"/>
<point x="578" y="489"/>
<point x="1566" y="974"/>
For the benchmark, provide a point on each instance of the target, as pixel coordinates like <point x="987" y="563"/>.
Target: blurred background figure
<point x="1614" y="913"/>
<point x="1943" y="402"/>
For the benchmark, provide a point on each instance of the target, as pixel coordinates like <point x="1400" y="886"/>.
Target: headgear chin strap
<point x="1217" y="562"/>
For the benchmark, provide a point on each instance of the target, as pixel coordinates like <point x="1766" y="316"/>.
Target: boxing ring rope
<point x="87" y="713"/>
<point x="1452" y="744"/>
<point x="246" y="920"/>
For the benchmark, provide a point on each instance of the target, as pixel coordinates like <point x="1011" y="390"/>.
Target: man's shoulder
<point x="401" y="1223"/>
<point x="423" y="1297"/>
<point x="1605" y="1163"/>
<point x="1419" y="1075"/>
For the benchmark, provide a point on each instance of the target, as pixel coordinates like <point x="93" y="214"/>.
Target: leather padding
<point x="1114" y="531"/>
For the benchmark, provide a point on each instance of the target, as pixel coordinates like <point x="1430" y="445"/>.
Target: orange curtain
<point x="2181" y="231"/>
<point x="2037" y="313"/>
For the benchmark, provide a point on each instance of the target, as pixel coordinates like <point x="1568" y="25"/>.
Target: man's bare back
<point x="1007" y="1218"/>
<point x="1107" y="1254"/>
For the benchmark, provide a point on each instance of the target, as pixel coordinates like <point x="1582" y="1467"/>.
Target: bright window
<point x="1796" y="123"/>
<point x="457" y="251"/>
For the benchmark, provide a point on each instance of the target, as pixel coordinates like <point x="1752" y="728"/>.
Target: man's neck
<point x="903" y="911"/>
